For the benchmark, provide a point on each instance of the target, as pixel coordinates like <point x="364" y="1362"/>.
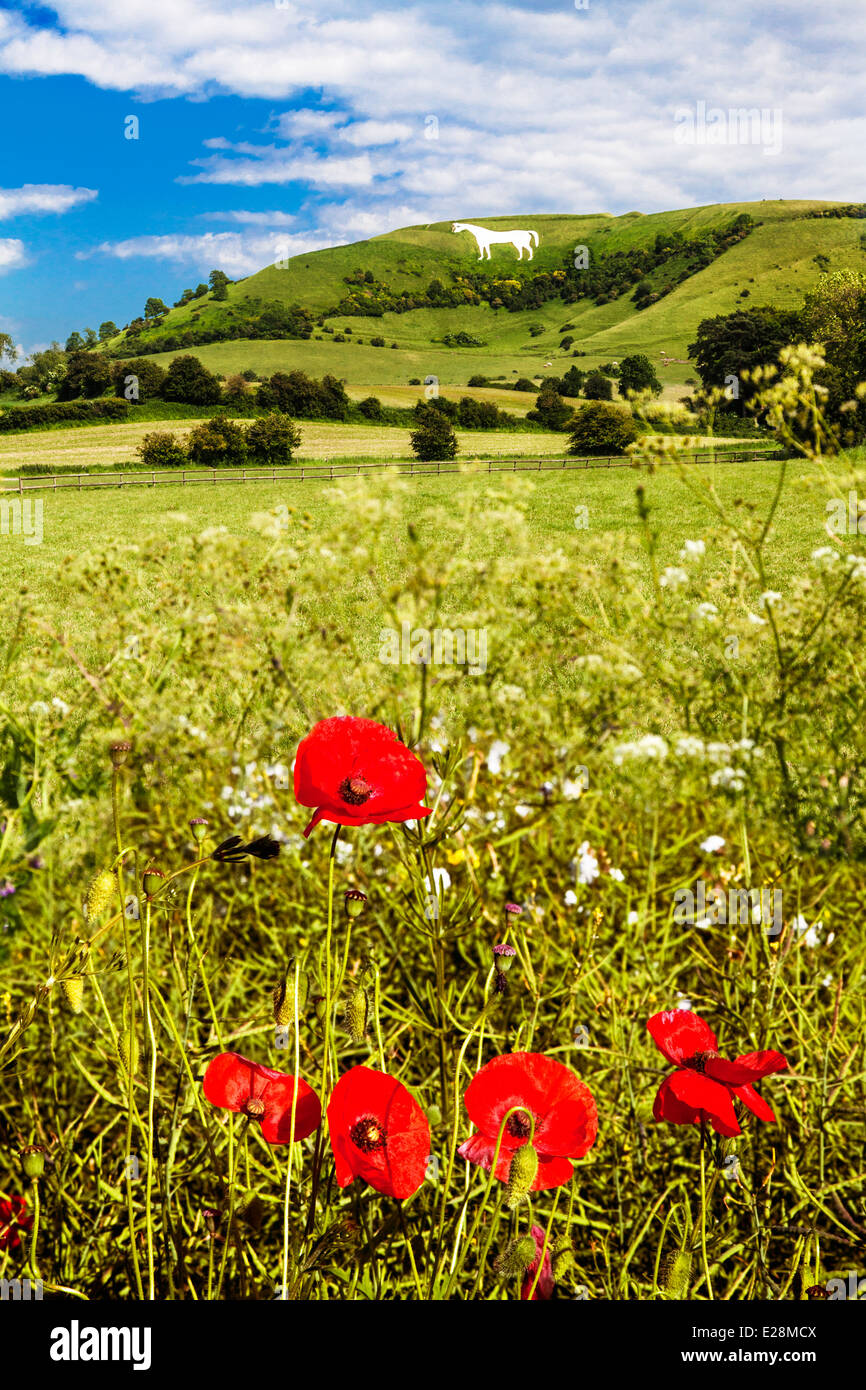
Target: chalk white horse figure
<point x="521" y="241"/>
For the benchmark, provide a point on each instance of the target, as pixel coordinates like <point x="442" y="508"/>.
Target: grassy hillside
<point x="777" y="262"/>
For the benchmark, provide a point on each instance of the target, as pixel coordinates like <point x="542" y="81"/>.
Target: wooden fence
<point x="308" y="472"/>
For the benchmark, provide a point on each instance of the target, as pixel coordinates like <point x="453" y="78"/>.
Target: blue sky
<point x="269" y="128"/>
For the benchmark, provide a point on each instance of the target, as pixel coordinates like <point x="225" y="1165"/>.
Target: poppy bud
<point x="32" y="1161"/>
<point x="198" y="825"/>
<point x="127" y="1047"/>
<point x="356" y="1015"/>
<point x="100" y="894"/>
<point x="516" y="1257"/>
<point x="521" y="1175"/>
<point x="73" y="988"/>
<point x="354" y="900"/>
<point x="284" y="997"/>
<point x="676" y="1272"/>
<point x="562" y="1259"/>
<point x="503" y="955"/>
<point x="318" y="1002"/>
<point x="152" y="881"/>
<point x="119" y="752"/>
<point x="434" y="1115"/>
<point x="210" y="1217"/>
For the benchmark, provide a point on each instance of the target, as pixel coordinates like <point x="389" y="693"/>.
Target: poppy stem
<point x="284" y="1288"/>
<point x="151" y="1097"/>
<point x="329" y="1009"/>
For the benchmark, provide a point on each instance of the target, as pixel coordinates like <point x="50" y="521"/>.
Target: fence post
<point x="79" y="482"/>
<point x="20" y="485"/>
<point x="153" y="479"/>
<point x="244" y="476"/>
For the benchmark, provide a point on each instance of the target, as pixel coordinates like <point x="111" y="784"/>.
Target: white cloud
<point x="13" y="254"/>
<point x="535" y="106"/>
<point x="236" y="253"/>
<point x="42" y="197"/>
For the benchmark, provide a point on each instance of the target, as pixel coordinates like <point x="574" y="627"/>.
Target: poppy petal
<point x="680" y="1034"/>
<point x="566" y="1120"/>
<point x="277" y="1120"/>
<point x="758" y="1106"/>
<point x="357" y="772"/>
<point x="702" y="1093"/>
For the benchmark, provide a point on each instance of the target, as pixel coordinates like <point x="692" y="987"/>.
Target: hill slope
<point x="777" y="261"/>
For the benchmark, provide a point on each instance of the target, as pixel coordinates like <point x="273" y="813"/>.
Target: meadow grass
<point x="637" y="696"/>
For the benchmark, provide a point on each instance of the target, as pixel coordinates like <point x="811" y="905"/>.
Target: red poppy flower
<point x="566" y="1120"/>
<point x="705" y="1085"/>
<point x="233" y="1083"/>
<point x="378" y="1133"/>
<point x="13" y="1222"/>
<point x="356" y="772"/>
<point x="544" y="1287"/>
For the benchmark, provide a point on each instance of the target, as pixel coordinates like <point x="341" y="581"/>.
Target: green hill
<point x="775" y="258"/>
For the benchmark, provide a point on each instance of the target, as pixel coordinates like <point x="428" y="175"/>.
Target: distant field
<point x="82" y="447"/>
<point x="75" y="522"/>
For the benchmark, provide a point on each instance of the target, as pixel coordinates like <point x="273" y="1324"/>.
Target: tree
<point x="636" y="373"/>
<point x="107" y="330"/>
<point x="600" y="428"/>
<point x="138" y="380"/>
<point x="434" y="437"/>
<point x="551" y="410"/>
<point x="730" y="345"/>
<point x="272" y="438"/>
<point x="219" y="283"/>
<point x="371" y="407"/>
<point x="154" y="308"/>
<point x="90" y="338"/>
<point x="572" y="382"/>
<point x="7" y="347"/>
<point x="87" y="374"/>
<point x="217" y="443"/>
<point x="188" y="380"/>
<point x="74" y="343"/>
<point x="597" y="387"/>
<point x="199" y="292"/>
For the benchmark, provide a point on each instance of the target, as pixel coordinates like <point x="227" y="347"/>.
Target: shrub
<point x="218" y="443"/>
<point x="478" y="415"/>
<point x="62" y="413"/>
<point x="371" y="407"/>
<point x="162" y="450"/>
<point x="600" y="428"/>
<point x="235" y="390"/>
<point x="478" y="381"/>
<point x="188" y="380"/>
<point x="272" y="438"/>
<point x="298" y="395"/>
<point x="434" y="437"/>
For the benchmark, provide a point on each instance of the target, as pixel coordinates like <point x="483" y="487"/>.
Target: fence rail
<point x="308" y="472"/>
